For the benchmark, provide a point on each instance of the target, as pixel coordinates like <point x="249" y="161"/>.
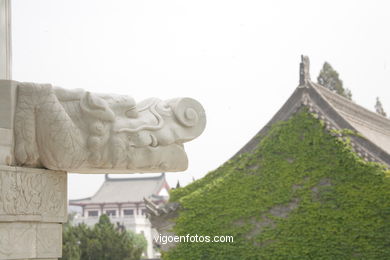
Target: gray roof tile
<point x="122" y="190"/>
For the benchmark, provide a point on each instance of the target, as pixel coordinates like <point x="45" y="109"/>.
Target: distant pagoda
<point x="122" y="199"/>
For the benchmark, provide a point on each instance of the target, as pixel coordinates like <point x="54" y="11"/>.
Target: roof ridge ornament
<point x="304" y="71"/>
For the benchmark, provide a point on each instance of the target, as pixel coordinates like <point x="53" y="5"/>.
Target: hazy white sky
<point x="239" y="58"/>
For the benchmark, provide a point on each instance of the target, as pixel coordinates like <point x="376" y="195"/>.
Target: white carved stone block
<point x="17" y="240"/>
<point x="32" y="240"/>
<point x="49" y="240"/>
<point x="28" y="194"/>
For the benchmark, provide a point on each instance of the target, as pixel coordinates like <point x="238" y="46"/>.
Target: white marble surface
<point x="21" y="240"/>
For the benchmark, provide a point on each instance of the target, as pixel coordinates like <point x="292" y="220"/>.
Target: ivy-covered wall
<point x="301" y="194"/>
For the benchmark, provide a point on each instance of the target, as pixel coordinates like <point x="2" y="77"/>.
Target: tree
<point x="102" y="242"/>
<point x="329" y="78"/>
<point x="379" y="108"/>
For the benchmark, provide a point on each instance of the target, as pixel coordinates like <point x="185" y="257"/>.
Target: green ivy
<point x="347" y="132"/>
<point x="301" y="194"/>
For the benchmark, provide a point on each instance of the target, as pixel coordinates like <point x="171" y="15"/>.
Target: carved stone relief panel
<point x="32" y="195"/>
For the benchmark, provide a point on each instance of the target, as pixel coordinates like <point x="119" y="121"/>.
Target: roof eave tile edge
<point x="78" y="202"/>
<point x="350" y="106"/>
<point x="333" y="120"/>
<point x="90" y="200"/>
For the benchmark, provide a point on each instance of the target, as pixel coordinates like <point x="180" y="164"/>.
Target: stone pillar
<point x="5" y="39"/>
<point x="33" y="201"/>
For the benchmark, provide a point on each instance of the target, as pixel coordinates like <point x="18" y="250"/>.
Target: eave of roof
<point x="158" y="180"/>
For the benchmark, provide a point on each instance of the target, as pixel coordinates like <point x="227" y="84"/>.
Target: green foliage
<point x="301" y="194"/>
<point x="347" y="132"/>
<point x="102" y="242"/>
<point x="329" y="78"/>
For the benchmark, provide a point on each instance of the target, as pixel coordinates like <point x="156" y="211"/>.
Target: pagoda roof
<point x="126" y="190"/>
<point x="372" y="138"/>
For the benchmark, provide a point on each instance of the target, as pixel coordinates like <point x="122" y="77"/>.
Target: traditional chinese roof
<point x="123" y="190"/>
<point x="372" y="131"/>
<point x="265" y="174"/>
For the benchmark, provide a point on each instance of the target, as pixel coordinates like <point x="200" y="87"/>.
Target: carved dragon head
<point x="148" y="136"/>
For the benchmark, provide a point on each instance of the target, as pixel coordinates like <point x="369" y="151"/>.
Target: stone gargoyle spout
<point x="79" y="131"/>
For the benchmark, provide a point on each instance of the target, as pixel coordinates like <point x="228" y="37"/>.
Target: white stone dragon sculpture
<point x="79" y="131"/>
